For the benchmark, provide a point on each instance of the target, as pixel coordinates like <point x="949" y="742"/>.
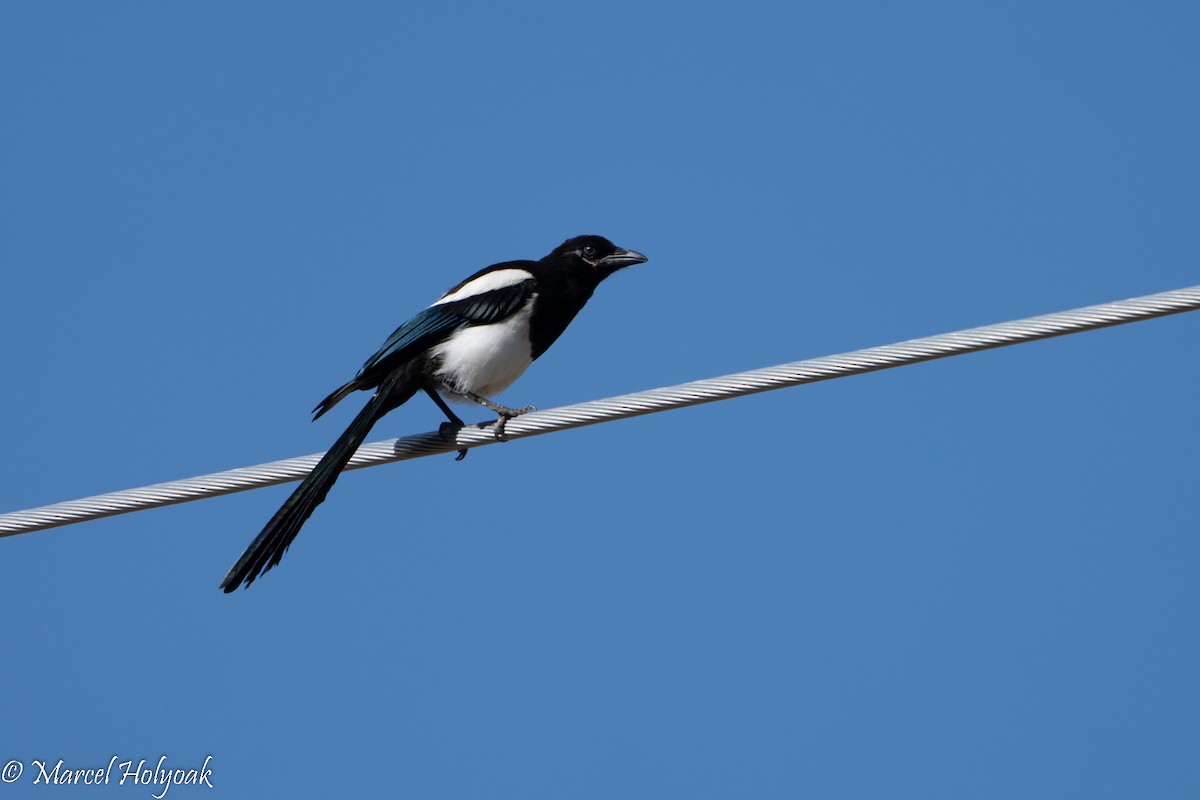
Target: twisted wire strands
<point x="620" y="407"/>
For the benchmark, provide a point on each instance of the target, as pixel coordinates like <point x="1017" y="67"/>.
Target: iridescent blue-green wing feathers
<point x="432" y="326"/>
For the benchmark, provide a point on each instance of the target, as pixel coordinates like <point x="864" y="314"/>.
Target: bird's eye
<point x="589" y="251"/>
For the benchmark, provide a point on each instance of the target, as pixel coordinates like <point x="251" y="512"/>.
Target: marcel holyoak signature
<point x="157" y="776"/>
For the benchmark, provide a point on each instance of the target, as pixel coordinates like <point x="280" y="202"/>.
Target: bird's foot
<point x="505" y="415"/>
<point x="447" y="430"/>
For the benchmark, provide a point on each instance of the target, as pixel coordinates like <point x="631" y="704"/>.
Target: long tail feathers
<point x="270" y="545"/>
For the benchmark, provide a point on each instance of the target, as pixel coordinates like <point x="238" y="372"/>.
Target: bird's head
<point x="598" y="253"/>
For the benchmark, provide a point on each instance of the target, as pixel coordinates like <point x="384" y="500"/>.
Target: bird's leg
<point x="504" y="412"/>
<point x="446" y="428"/>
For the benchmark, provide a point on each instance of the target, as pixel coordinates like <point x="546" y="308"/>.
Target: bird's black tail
<point x="270" y="545"/>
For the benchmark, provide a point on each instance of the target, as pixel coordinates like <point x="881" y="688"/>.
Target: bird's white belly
<point x="486" y="359"/>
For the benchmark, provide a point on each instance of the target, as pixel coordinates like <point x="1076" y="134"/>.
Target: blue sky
<point x="975" y="577"/>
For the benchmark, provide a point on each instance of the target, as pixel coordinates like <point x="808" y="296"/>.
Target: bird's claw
<point x="447" y="430"/>
<point x="505" y="415"/>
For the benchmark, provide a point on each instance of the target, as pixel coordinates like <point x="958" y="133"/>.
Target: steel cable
<point x="630" y="405"/>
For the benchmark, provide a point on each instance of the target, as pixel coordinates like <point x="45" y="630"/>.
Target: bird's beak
<point x="622" y="258"/>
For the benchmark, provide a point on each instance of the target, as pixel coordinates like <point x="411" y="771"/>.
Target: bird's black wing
<point x="430" y="327"/>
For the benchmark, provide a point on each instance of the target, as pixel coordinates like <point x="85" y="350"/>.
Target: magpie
<point x="471" y="344"/>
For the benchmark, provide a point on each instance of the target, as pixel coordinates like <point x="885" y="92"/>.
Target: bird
<point x="469" y="345"/>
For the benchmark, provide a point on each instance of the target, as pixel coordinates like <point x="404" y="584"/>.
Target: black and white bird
<point x="471" y="344"/>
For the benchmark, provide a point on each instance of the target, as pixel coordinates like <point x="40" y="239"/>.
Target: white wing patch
<point x="497" y="279"/>
<point x="486" y="359"/>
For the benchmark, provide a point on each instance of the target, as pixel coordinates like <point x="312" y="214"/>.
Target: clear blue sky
<point x="971" y="578"/>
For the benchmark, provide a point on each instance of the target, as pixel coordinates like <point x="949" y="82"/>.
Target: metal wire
<point x="621" y="407"/>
